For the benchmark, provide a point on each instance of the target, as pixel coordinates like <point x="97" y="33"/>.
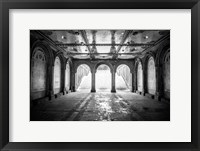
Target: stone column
<point x="93" y="81"/>
<point x="51" y="82"/>
<point x="159" y="82"/>
<point x="133" y="82"/>
<point x="94" y="49"/>
<point x="63" y="71"/>
<point x="72" y="76"/>
<point x="144" y="80"/>
<point x="113" y="82"/>
<point x="113" y="48"/>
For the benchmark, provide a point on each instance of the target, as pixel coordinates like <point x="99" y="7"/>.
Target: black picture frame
<point x="5" y="5"/>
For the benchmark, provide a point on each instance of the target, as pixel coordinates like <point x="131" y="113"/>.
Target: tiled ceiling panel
<point x="84" y="41"/>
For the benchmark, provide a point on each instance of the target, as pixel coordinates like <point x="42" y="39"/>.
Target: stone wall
<point x="166" y="76"/>
<point x="38" y="74"/>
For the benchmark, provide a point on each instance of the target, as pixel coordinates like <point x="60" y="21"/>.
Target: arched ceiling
<point x="104" y="44"/>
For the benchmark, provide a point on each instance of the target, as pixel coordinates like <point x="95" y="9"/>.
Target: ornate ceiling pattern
<point x="104" y="44"/>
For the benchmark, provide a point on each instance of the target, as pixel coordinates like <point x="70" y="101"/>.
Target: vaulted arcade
<point x="88" y="68"/>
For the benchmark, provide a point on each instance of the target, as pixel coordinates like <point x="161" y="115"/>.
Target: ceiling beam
<point x="94" y="44"/>
<point x="50" y="41"/>
<point x="113" y="48"/>
<point x="94" y="49"/>
<point x="84" y="36"/>
<point x="156" y="43"/>
<point x="103" y="54"/>
<point x="126" y="35"/>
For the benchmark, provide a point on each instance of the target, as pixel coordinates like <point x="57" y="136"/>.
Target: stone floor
<point x="101" y="106"/>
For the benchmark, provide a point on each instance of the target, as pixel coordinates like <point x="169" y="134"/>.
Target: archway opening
<point x="139" y="77"/>
<point x="123" y="78"/>
<point x="67" y="77"/>
<point x="151" y="76"/>
<point x="57" y="75"/>
<point x="103" y="78"/>
<point x="83" y="78"/>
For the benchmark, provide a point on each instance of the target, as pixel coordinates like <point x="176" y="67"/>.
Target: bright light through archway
<point x="103" y="78"/>
<point x="83" y="78"/>
<point x="123" y="78"/>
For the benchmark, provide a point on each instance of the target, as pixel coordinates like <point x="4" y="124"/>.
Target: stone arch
<point x="69" y="60"/>
<point x="160" y="54"/>
<point x="106" y="63"/>
<point x="151" y="75"/>
<point x="57" y="75"/>
<point x="62" y="59"/>
<point x="81" y="63"/>
<point x="67" y="76"/>
<point x="146" y="59"/>
<point x="137" y="60"/>
<point x="139" y="85"/>
<point x="49" y="61"/>
<point x="160" y="60"/>
<point x="47" y="50"/>
<point x="124" y="63"/>
<point x="80" y="74"/>
<point x="150" y="84"/>
<point x="150" y="54"/>
<point x="123" y="71"/>
<point x="166" y="74"/>
<point x="38" y="73"/>
<point x="103" y="71"/>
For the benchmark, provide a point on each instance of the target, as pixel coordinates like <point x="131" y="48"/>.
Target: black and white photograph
<point x="100" y="75"/>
